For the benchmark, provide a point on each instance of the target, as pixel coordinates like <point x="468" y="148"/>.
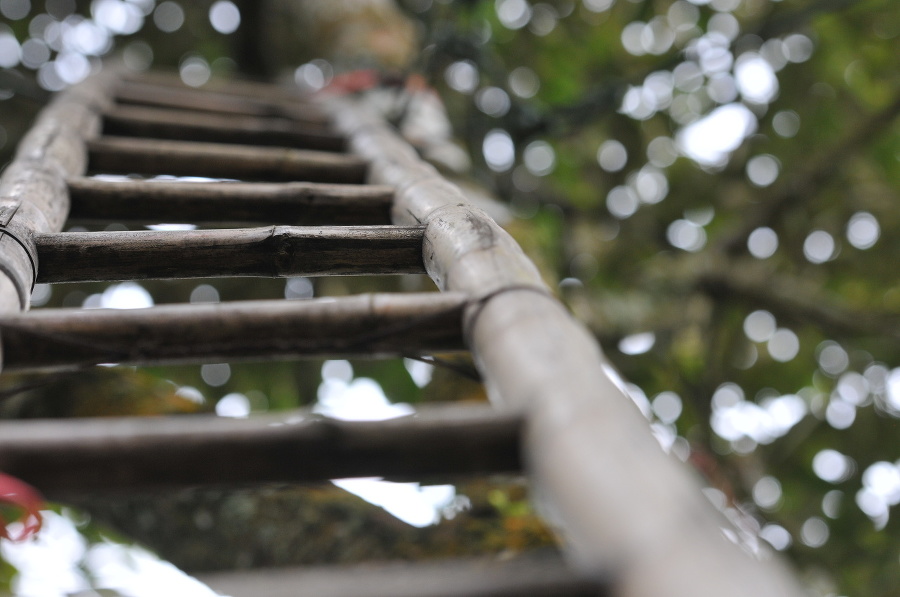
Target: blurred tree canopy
<point x="712" y="185"/>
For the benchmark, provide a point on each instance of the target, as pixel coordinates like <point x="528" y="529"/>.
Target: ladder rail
<point x="617" y="495"/>
<point x="622" y="504"/>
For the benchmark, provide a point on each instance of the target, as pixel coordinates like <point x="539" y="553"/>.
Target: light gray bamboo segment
<point x="185" y="125"/>
<point x="378" y="325"/>
<point x="186" y="158"/>
<point x="121" y="454"/>
<point x="185" y="98"/>
<point x="296" y="203"/>
<point x="33" y="195"/>
<point x="232" y="85"/>
<point x="272" y="251"/>
<point x="524" y="575"/>
<point x="619" y="499"/>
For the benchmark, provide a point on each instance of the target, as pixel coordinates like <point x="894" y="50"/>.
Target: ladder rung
<point x="375" y="325"/>
<point x="297" y="203"/>
<point x="185" y="125"/>
<point x="223" y="103"/>
<point x="272" y="251"/>
<point x="138" y="452"/>
<point x="185" y="158"/>
<point x="233" y="86"/>
<point x="525" y="575"/>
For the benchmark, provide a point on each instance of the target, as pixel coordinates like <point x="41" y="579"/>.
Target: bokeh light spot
<point x="762" y="242"/>
<point x="224" y="16"/>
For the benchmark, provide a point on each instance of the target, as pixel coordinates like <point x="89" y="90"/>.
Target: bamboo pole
<point x="184" y="158"/>
<point x="121" y="454"/>
<point x="528" y="574"/>
<point x="374" y="325"/>
<point x="231" y="85"/>
<point x="619" y="499"/>
<point x="185" y="98"/>
<point x="33" y="196"/>
<point x="296" y="203"/>
<point x="272" y="251"/>
<point x="185" y="125"/>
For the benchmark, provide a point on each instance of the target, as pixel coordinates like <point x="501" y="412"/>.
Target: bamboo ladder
<point x="633" y="520"/>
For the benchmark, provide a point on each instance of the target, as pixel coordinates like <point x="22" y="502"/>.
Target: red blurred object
<point x="24" y="496"/>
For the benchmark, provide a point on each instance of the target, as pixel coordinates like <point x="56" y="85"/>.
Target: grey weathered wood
<point x="232" y="86"/>
<point x="376" y="325"/>
<point x="186" y="98"/>
<point x="185" y="158"/>
<point x="33" y="194"/>
<point x="122" y="454"/>
<point x="618" y="498"/>
<point x="186" y="125"/>
<point x="296" y="203"/>
<point x="534" y="575"/>
<point x="273" y="251"/>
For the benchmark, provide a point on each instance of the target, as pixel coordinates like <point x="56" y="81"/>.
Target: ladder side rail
<point x="621" y="501"/>
<point x="33" y="195"/>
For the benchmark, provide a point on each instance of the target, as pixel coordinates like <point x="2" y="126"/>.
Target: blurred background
<point x="712" y="186"/>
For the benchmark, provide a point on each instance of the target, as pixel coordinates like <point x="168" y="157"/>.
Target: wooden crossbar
<point x="159" y="123"/>
<point x="272" y="251"/>
<point x="375" y="325"/>
<point x="544" y="575"/>
<point x="296" y="203"/>
<point x="140" y="453"/>
<point x="137" y="93"/>
<point x="187" y="158"/>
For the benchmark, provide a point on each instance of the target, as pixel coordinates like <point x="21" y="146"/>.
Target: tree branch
<point x="794" y="300"/>
<point x="806" y="183"/>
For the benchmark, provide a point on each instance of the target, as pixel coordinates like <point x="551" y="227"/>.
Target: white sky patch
<point x="420" y="372"/>
<point x="710" y="140"/>
<point x="462" y="76"/>
<point x="755" y="78"/>
<point x="362" y="399"/>
<point x="55" y="562"/>
<point x="499" y="151"/>
<point x="735" y="419"/>
<point x="413" y="504"/>
<point x="637" y="343"/>
<point x="359" y="400"/>
<point x="127" y="295"/>
<point x="171" y="227"/>
<point x="224" y="16"/>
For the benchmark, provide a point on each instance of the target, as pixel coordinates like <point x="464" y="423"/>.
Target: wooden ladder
<point x="631" y="517"/>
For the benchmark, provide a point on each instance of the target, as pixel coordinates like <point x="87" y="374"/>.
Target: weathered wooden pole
<point x="151" y="452"/>
<point x="187" y="125"/>
<point x="373" y="325"/>
<point x="129" y="155"/>
<point x="271" y="251"/>
<point x="33" y="194"/>
<point x="296" y="203"/>
<point x="624" y="506"/>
